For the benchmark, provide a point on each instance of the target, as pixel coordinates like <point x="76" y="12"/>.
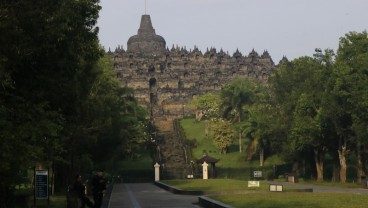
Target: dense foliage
<point x="60" y="105"/>
<point x="311" y="110"/>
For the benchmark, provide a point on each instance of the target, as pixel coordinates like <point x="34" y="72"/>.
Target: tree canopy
<point x="60" y="103"/>
<point x="310" y="109"/>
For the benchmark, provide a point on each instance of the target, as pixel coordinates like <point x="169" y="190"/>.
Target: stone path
<point x="326" y="189"/>
<point x="142" y="195"/>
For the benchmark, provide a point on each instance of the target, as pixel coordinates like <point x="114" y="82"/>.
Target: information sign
<point x="257" y="174"/>
<point x="253" y="183"/>
<point x="41" y="184"/>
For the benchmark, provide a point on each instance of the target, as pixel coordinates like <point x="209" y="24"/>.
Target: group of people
<point x="98" y="184"/>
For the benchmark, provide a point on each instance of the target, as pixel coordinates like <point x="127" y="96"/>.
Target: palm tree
<point x="237" y="97"/>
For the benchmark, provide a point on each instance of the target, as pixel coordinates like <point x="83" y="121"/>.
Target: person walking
<point x="98" y="183"/>
<point x="80" y="189"/>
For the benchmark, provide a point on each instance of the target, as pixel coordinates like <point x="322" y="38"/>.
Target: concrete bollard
<point x="205" y="170"/>
<point x="157" y="172"/>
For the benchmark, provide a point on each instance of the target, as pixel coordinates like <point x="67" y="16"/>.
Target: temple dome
<point x="146" y="41"/>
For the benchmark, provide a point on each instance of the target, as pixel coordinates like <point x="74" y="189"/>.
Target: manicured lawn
<point x="237" y="194"/>
<point x="232" y="164"/>
<point x="219" y="185"/>
<point x="143" y="162"/>
<point x="210" y="185"/>
<point x="292" y="200"/>
<point x="138" y="169"/>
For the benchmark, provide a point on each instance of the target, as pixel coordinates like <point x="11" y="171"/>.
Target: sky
<point x="291" y="28"/>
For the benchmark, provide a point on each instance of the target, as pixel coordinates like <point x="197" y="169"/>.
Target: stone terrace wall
<point x="165" y="82"/>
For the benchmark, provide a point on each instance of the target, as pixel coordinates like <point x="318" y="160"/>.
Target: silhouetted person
<point x="80" y="188"/>
<point x="98" y="188"/>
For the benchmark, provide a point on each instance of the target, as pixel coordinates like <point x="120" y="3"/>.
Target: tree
<point x="223" y="135"/>
<point x="350" y="98"/>
<point x="206" y="106"/>
<point x="236" y="96"/>
<point x="48" y="65"/>
<point x="299" y="88"/>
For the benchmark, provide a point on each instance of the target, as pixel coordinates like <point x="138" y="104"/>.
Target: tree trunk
<point x="342" y="158"/>
<point x="251" y="149"/>
<point x="295" y="169"/>
<point x="336" y="173"/>
<point x="360" y="166"/>
<point x="261" y="157"/>
<point x="240" y="141"/>
<point x="53" y="179"/>
<point x="240" y="137"/>
<point x="336" y="166"/>
<point x="318" y="159"/>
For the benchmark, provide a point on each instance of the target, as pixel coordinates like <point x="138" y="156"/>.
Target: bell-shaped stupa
<point x="146" y="41"/>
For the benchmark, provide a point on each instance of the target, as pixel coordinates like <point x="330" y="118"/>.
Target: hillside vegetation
<point x="231" y="164"/>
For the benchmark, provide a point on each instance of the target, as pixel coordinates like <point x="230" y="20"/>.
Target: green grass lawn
<point x="292" y="200"/>
<point x="143" y="162"/>
<point x="236" y="193"/>
<point x="139" y="169"/>
<point x="220" y="185"/>
<point x="209" y="185"/>
<point x="232" y="164"/>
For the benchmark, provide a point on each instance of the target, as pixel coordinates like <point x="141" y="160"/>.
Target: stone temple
<point x="165" y="80"/>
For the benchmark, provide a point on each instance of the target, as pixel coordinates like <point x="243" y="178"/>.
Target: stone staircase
<point x="174" y="156"/>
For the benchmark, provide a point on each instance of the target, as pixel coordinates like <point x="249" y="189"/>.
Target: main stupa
<point x="146" y="41"/>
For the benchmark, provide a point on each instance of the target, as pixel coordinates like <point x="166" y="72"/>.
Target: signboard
<point x="277" y="188"/>
<point x="257" y="174"/>
<point x="41" y="184"/>
<point x="253" y="183"/>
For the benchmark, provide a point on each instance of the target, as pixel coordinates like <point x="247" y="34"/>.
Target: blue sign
<point x="41" y="184"/>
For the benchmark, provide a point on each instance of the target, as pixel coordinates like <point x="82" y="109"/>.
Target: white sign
<point x="257" y="174"/>
<point x="253" y="183"/>
<point x="275" y="187"/>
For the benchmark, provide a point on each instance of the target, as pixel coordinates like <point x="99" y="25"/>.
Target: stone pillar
<point x="157" y="172"/>
<point x="205" y="170"/>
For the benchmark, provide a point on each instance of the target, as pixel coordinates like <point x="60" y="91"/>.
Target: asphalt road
<point x="147" y="195"/>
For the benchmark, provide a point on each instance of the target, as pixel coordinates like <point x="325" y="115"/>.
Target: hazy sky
<point x="292" y="28"/>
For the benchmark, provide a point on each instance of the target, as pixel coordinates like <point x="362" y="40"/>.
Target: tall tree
<point x="350" y="97"/>
<point x="48" y="61"/>
<point x="299" y="88"/>
<point x="236" y="96"/>
<point x="260" y="127"/>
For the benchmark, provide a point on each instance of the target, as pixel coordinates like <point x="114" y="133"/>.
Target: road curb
<point x="178" y="191"/>
<point x="211" y="203"/>
<point x="203" y="201"/>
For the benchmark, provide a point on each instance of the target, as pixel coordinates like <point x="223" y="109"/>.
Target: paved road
<point x="147" y="195"/>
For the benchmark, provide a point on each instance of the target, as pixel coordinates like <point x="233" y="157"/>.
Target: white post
<point x="157" y="172"/>
<point x="205" y="170"/>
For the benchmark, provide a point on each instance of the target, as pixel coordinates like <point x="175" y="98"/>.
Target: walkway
<point x="321" y="189"/>
<point x="142" y="195"/>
